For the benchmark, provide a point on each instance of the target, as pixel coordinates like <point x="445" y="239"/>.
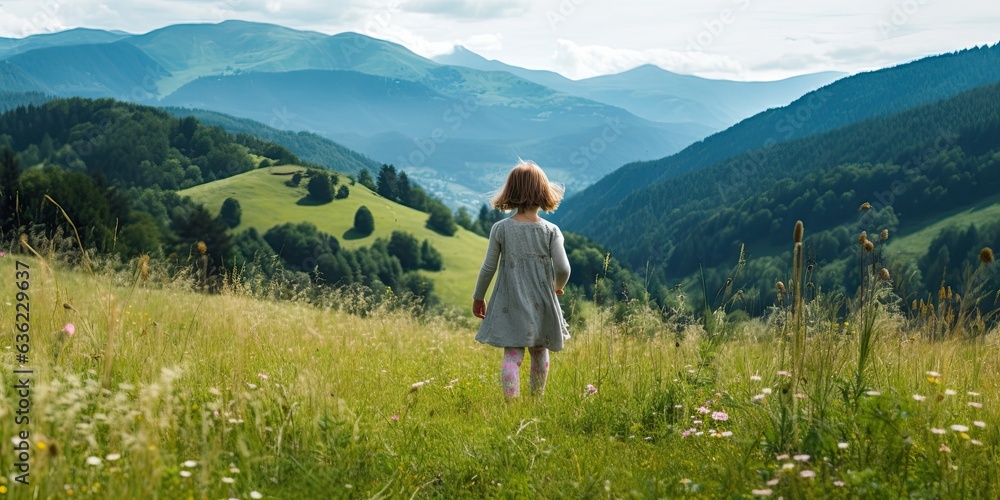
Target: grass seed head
<point x="869" y="246"/>
<point x="781" y="287"/>
<point x="884" y="274"/>
<point x="884" y="235"/>
<point x="863" y="237"/>
<point x="986" y="256"/>
<point x="799" y="229"/>
<point x="202" y="248"/>
<point x="865" y="207"/>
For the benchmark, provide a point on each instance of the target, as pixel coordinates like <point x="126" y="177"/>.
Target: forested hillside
<point x="911" y="167"/>
<point x="847" y="101"/>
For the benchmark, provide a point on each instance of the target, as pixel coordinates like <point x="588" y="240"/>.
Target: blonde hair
<point x="527" y="186"/>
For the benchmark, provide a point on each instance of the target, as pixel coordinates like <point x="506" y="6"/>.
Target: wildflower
<point x="801" y="458"/>
<point x="839" y="484"/>
<point x="980" y="424"/>
<point x="688" y="432"/>
<point x="685" y="481"/>
<point x="395" y="417"/>
<point x="808" y="473"/>
<point x="773" y="482"/>
<point x="884" y="274"/>
<point x="782" y="457"/>
<point x="703" y="410"/>
<point x="256" y="495"/>
<point x="788" y="466"/>
<point x="963" y="435"/>
<point x="944" y="448"/>
<point x="933" y="374"/>
<point x="873" y="393"/>
<point x="112" y="457"/>
<point x="727" y="434"/>
<point x="986" y="256"/>
<point x="766" y="390"/>
<point x="416" y="386"/>
<point x="251" y="386"/>
<point x="975" y="404"/>
<point x="865" y="207"/>
<point x="959" y="428"/>
<point x="190" y="463"/>
<point x="938" y="431"/>
<point x="843" y="446"/>
<point x="228" y="480"/>
<point x="262" y="376"/>
<point x="758" y="397"/>
<point x="973" y="394"/>
<point x="869" y="246"/>
<point x="185" y="473"/>
<point x="755" y="378"/>
<point x="678" y="407"/>
<point x="93" y="461"/>
<point x="884" y="234"/>
<point x="976" y="442"/>
<point x="720" y="415"/>
<point x="784" y="373"/>
<point x="2" y="254"/>
<point x="800" y="395"/>
<point x="949" y="392"/>
<point x="766" y="492"/>
<point x="69" y="329"/>
<point x="918" y="397"/>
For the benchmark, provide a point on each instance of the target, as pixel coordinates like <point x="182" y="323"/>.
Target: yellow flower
<point x="3" y="490"/>
<point x="932" y="380"/>
<point x="41" y="445"/>
<point x="964" y="435"/>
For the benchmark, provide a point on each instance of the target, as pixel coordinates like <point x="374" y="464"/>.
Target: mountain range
<point x="456" y="124"/>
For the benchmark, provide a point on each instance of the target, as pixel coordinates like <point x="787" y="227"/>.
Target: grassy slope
<point x="266" y="202"/>
<point x="316" y="403"/>
<point x="914" y="245"/>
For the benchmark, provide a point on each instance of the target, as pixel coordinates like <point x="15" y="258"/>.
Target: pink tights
<point x="510" y="370"/>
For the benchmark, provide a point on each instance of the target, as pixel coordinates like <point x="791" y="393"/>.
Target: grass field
<point x="266" y="202"/>
<point x="165" y="393"/>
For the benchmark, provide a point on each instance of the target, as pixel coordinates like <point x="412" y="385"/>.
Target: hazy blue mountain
<point x="847" y="101"/>
<point x="115" y="69"/>
<point x="306" y="145"/>
<point x="190" y="51"/>
<point x="15" y="79"/>
<point x="11" y="100"/>
<point x="660" y="95"/>
<point x="451" y="144"/>
<point x="77" y="36"/>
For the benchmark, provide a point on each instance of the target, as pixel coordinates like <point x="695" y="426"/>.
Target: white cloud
<point x="468" y="9"/>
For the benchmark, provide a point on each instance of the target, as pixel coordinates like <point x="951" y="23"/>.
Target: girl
<point x="524" y="311"/>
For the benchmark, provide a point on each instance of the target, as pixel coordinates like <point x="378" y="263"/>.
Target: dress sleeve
<point x="489" y="263"/>
<point x="560" y="263"/>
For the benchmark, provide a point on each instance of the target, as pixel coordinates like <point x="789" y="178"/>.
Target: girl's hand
<point x="479" y="308"/>
<point x="559" y="291"/>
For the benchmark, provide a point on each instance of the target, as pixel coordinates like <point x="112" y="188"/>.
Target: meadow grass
<point x="267" y="202"/>
<point x="231" y="396"/>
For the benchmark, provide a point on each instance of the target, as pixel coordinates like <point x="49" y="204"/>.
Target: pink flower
<point x="262" y="375"/>
<point x="69" y="329"/>
<point x="395" y="417"/>
<point x="591" y="389"/>
<point x="2" y="254"/>
<point x="720" y="415"/>
<point x="702" y="409"/>
<point x="784" y="373"/>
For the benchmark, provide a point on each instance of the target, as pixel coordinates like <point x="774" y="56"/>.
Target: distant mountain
<point x="310" y="147"/>
<point x="78" y="36"/>
<point x="441" y="138"/>
<point x="847" y="101"/>
<point x="656" y="94"/>
<point x="113" y="69"/>
<point x="15" y="79"/>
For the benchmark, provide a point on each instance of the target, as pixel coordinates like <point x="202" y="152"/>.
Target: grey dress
<point x="524" y="310"/>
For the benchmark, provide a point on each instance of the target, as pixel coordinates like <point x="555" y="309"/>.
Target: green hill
<point x="266" y="202"/>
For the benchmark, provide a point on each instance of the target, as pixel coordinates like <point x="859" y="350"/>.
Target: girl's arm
<point x="486" y="272"/>
<point x="560" y="262"/>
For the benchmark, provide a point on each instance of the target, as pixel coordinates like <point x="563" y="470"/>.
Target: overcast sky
<point x="732" y="39"/>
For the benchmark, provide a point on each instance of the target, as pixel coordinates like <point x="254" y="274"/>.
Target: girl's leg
<point x="539" y="369"/>
<point x="510" y="371"/>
